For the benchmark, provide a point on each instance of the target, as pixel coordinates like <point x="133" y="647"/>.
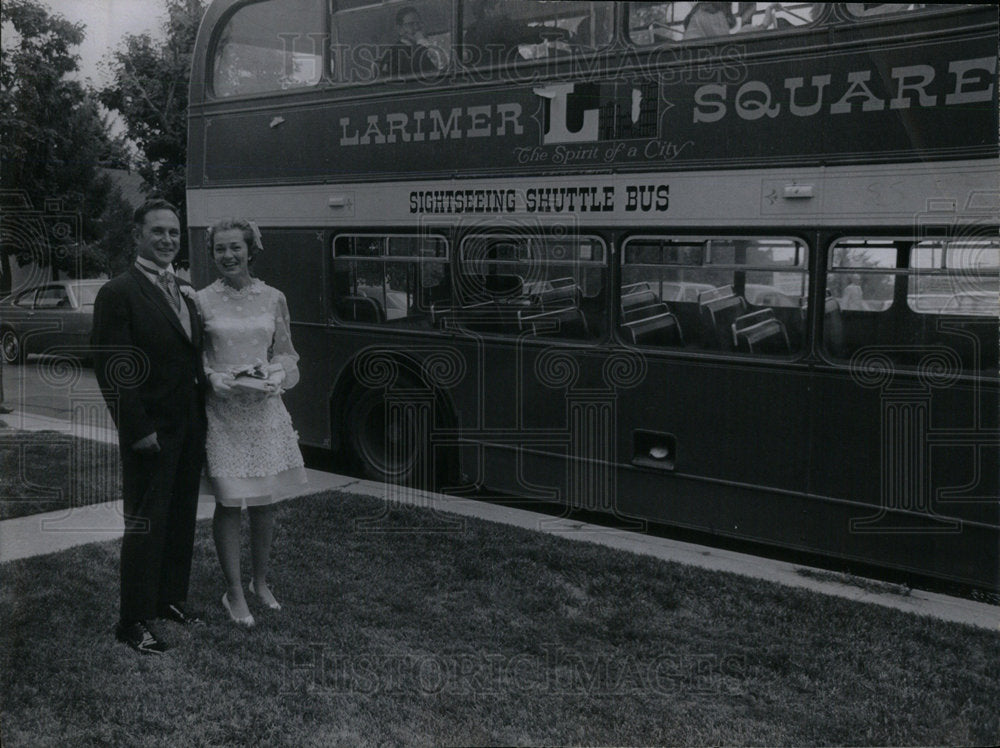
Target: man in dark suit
<point x="147" y="341"/>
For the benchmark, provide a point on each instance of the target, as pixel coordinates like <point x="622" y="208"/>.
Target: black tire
<point x="10" y="345"/>
<point x="391" y="453"/>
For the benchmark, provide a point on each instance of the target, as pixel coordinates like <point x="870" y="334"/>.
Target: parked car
<point x="54" y="316"/>
<point x="675" y="291"/>
<point x="761" y="295"/>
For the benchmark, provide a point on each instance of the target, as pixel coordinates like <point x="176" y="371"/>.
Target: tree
<point x="116" y="243"/>
<point x="53" y="140"/>
<point x="150" y="91"/>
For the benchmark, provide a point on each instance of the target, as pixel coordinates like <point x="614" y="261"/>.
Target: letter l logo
<point x="558" y="131"/>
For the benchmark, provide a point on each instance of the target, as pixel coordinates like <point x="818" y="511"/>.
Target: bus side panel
<point x="720" y="422"/>
<point x="810" y="524"/>
<point x="815" y="525"/>
<point x="920" y="465"/>
<point x="293" y="262"/>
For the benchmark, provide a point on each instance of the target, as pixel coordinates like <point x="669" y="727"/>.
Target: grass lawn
<point x="42" y="471"/>
<point x="482" y="636"/>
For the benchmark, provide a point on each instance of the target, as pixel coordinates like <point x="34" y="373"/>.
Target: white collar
<point x="151" y="268"/>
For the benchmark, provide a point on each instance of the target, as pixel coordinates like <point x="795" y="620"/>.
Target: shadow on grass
<point x="481" y="636"/>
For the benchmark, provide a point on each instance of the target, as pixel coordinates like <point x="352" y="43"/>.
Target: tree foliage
<point x="149" y="89"/>
<point x="116" y="243"/>
<point x="53" y="141"/>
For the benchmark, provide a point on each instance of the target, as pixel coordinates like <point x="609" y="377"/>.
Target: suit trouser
<point x="160" y="497"/>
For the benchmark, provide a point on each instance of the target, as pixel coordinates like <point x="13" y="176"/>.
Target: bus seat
<point x="659" y="329"/>
<point x="637" y="300"/>
<point x="718" y="309"/>
<point x="359" y="309"/>
<point x="630" y="288"/>
<point x="560" y="282"/>
<point x="712" y="294"/>
<point x="760" y="332"/>
<point x="560" y="296"/>
<point x="564" y="322"/>
<point x="641" y="312"/>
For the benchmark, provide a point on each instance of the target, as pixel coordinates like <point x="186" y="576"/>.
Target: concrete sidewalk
<point x="51" y="532"/>
<point x="55" y="531"/>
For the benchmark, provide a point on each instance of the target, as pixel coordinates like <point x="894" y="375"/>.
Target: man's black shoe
<point x="140" y="637"/>
<point x="177" y="613"/>
<point x="4" y="409"/>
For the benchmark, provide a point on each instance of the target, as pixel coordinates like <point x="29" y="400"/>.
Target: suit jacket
<point x="147" y="367"/>
<point x="407" y="59"/>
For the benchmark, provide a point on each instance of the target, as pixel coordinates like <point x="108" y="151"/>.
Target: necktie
<point x="169" y="285"/>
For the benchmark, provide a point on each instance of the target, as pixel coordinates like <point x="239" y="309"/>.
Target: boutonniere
<point x="187" y="290"/>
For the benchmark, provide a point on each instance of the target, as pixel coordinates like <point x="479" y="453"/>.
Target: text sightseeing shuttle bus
<point x="733" y="274"/>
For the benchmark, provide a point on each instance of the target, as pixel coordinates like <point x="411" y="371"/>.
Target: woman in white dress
<point x="252" y="450"/>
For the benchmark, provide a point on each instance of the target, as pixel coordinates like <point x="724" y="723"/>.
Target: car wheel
<point x="10" y="344"/>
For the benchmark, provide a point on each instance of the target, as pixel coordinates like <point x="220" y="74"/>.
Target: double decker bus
<point x="729" y="267"/>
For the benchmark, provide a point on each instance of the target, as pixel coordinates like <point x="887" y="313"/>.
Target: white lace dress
<point x="252" y="449"/>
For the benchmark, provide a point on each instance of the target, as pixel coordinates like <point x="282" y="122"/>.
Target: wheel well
<point x="348" y="384"/>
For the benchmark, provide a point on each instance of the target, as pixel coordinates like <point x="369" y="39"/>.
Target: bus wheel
<point x="388" y="446"/>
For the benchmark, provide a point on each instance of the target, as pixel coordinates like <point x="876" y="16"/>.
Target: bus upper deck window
<point x="653" y="24"/>
<point x="868" y="10"/>
<point x="510" y="31"/>
<point x="270" y="46"/>
<point x="375" y="40"/>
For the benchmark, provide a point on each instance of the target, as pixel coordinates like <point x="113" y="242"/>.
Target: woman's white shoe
<point x="246" y="620"/>
<point x="273" y="605"/>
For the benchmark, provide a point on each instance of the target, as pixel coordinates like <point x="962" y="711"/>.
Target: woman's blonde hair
<point x="251" y="234"/>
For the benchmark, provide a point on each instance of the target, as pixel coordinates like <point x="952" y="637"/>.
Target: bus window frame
<point x="704" y="238"/>
<point x="488" y="234"/>
<point x="385" y="258"/>
<point x="802" y="267"/>
<point x="827" y="16"/>
<point x="459" y="45"/>
<point x="462" y="259"/>
<point x="211" y="57"/>
<point x="904" y="246"/>
<point x="847" y="14"/>
<point x="333" y="41"/>
<point x="544" y="235"/>
<point x="458" y="73"/>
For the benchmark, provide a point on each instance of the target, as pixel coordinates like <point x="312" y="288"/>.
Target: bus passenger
<point x="853" y="297"/>
<point x="747" y="11"/>
<point x="876" y="9"/>
<point x="412" y="53"/>
<point x="709" y="19"/>
<point x="494" y="28"/>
